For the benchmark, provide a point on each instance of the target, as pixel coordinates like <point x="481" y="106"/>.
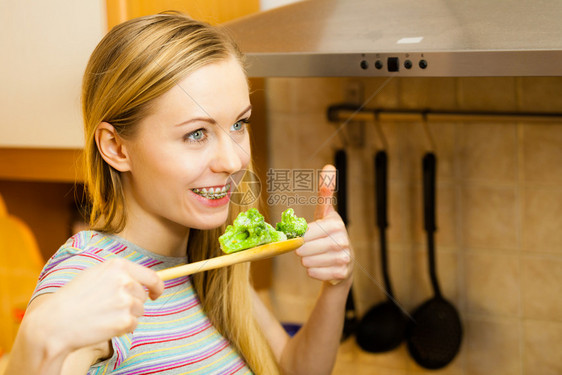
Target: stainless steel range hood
<point x="423" y="38"/>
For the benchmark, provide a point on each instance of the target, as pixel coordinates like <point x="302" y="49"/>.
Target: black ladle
<point x="383" y="327"/>
<point x="435" y="332"/>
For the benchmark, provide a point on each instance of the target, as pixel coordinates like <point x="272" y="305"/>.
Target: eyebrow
<point x="211" y="120"/>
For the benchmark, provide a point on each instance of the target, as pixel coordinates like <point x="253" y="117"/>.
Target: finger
<point x="326" y="187"/>
<point x="338" y="259"/>
<point x="332" y="223"/>
<point x="334" y="243"/>
<point x="137" y="307"/>
<point x="136" y="290"/>
<point x="131" y="324"/>
<point x="147" y="278"/>
<point x="328" y="273"/>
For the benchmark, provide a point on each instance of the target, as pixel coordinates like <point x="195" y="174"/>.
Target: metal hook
<point x="379" y="130"/>
<point x="429" y="136"/>
<point x="342" y="135"/>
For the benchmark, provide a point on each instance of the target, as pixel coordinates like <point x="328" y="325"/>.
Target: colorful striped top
<point x="174" y="336"/>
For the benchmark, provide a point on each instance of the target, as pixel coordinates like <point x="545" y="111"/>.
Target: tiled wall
<point x="499" y="243"/>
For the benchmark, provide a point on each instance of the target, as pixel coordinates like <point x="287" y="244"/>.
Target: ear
<point x="111" y="147"/>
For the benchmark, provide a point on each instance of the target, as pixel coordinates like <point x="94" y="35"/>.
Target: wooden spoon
<point x="255" y="253"/>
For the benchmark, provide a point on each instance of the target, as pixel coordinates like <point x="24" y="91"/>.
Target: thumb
<point x="326" y="187"/>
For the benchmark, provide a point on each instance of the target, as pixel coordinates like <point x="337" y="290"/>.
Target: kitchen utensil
<point x="435" y="333"/>
<point x="383" y="327"/>
<point x="340" y="162"/>
<point x="256" y="253"/>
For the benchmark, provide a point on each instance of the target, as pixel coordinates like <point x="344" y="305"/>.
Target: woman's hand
<point x="327" y="253"/>
<point x="100" y="303"/>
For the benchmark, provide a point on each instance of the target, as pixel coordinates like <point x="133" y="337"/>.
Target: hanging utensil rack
<point x="339" y="113"/>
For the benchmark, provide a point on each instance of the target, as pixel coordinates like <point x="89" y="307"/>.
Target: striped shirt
<point x="174" y="336"/>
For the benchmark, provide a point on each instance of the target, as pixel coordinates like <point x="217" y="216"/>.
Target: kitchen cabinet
<point x="49" y="45"/>
<point x="212" y="11"/>
<point x="46" y="46"/>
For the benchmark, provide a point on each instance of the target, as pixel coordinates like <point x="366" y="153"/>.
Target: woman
<point x="166" y="107"/>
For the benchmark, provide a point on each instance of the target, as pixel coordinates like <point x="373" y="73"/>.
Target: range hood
<point x="423" y="38"/>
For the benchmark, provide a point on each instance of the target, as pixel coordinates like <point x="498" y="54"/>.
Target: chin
<point x="208" y="223"/>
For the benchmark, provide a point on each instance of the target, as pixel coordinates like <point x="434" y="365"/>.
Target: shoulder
<point x="81" y="251"/>
<point x="86" y="244"/>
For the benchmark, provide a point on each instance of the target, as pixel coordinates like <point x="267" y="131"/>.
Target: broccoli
<point x="248" y="230"/>
<point x="292" y="225"/>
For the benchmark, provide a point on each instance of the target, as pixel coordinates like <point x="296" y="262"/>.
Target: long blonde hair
<point x="136" y="62"/>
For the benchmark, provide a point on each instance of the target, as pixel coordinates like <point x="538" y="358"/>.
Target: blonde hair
<point x="136" y="62"/>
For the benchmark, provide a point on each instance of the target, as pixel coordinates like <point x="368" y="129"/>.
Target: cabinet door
<point x="45" y="47"/>
<point x="212" y="11"/>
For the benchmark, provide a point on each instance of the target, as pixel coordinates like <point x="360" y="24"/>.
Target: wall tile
<point x="487" y="93"/>
<point x="368" y="370"/>
<point x="428" y="93"/>
<point x="314" y="95"/>
<point x="541" y="285"/>
<point x="542" y="347"/>
<point x="394" y="359"/>
<point x="542" y="154"/>
<point x="492" y="284"/>
<point x="541" y="94"/>
<point x="456" y="367"/>
<point x="542" y="219"/>
<point x="301" y="140"/>
<point x="278" y="95"/>
<point x="493" y="347"/>
<point x="282" y="153"/>
<point x="303" y="95"/>
<point x="487" y="152"/>
<point x="382" y="92"/>
<point x="489" y="217"/>
<point x="353" y="360"/>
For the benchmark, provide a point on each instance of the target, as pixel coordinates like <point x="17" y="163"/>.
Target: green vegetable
<point x="292" y="225"/>
<point x="248" y="230"/>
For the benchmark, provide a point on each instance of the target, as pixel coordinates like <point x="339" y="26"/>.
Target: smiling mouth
<point x="212" y="192"/>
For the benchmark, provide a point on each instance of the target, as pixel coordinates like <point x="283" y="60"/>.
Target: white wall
<point x="44" y="47"/>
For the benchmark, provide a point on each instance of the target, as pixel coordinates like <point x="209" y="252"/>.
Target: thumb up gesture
<point x="326" y="253"/>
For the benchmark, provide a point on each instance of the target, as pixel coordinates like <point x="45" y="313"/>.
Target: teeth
<point x="212" y="193"/>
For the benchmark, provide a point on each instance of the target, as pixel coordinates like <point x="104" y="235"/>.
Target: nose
<point x="229" y="155"/>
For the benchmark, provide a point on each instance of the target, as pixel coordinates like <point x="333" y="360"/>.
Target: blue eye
<point x="196" y="136"/>
<point x="239" y="125"/>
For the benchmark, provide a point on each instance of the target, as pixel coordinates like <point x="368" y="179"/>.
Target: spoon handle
<point x="429" y="203"/>
<point x="260" y="252"/>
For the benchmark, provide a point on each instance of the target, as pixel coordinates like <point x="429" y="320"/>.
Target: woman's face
<point x="184" y="152"/>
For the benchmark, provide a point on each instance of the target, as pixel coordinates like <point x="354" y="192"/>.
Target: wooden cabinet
<point x="45" y="47"/>
<point x="212" y="11"/>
